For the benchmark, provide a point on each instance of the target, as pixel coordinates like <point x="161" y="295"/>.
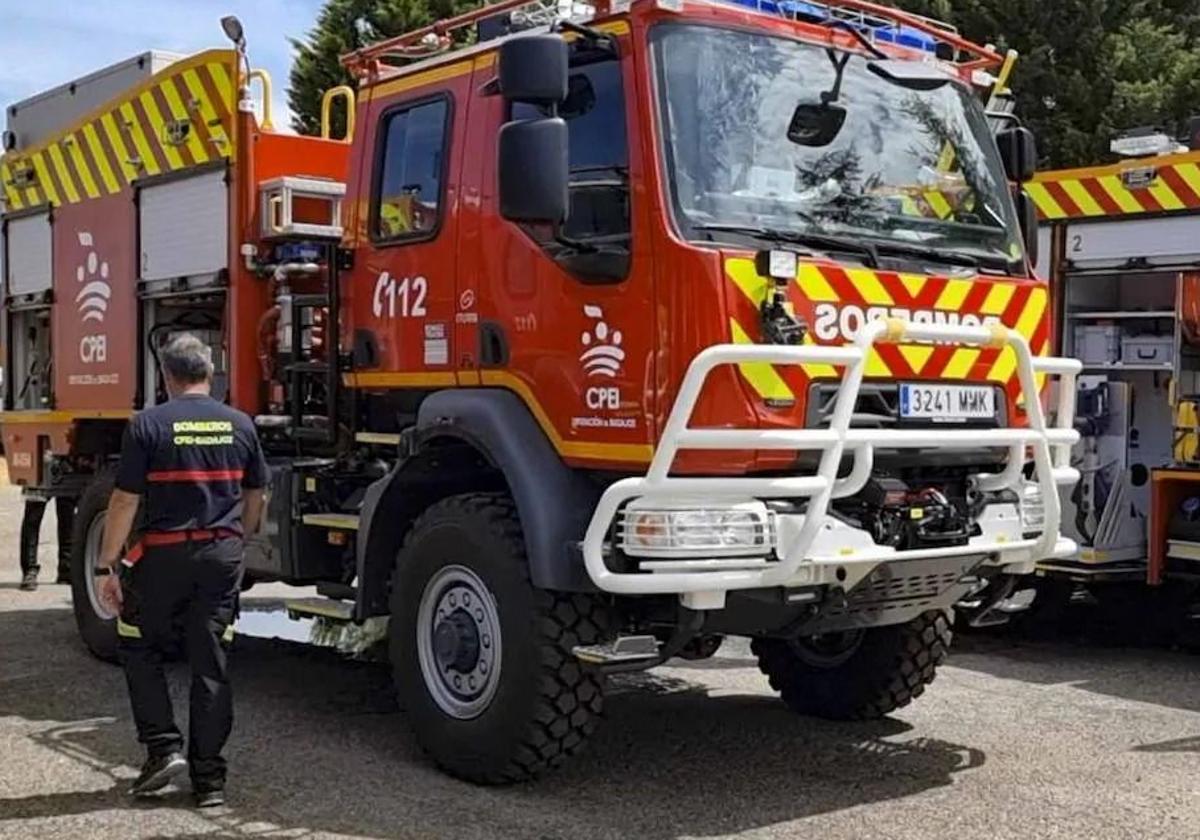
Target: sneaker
<point x="29" y="581"/>
<point x="64" y="576"/>
<point x="157" y="773"/>
<point x="209" y="798"/>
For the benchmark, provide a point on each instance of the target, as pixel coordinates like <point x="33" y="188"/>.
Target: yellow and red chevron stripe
<point x="179" y="118"/>
<point x="1150" y="185"/>
<point x="1021" y="305"/>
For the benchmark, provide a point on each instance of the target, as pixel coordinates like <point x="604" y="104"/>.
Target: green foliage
<point x="343" y="26"/>
<point x="1089" y="69"/>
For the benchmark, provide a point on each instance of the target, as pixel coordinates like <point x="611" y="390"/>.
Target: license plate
<point x="947" y="403"/>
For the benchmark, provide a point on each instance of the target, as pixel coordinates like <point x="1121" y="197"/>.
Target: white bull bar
<point x="1051" y="446"/>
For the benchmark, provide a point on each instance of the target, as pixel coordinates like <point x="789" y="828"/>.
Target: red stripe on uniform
<point x="194" y="475"/>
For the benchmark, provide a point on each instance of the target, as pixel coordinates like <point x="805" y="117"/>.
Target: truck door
<point x="400" y="293"/>
<point x="578" y="348"/>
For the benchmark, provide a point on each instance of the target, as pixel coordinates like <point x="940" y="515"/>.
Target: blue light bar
<point x="889" y="33"/>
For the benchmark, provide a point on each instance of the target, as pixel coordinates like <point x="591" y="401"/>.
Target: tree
<point x="343" y="26"/>
<point x="1089" y="69"/>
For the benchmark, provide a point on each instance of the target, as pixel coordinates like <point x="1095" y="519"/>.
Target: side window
<point x="408" y="185"/>
<point x="599" y="151"/>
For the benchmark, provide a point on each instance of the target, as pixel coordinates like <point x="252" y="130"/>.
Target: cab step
<point x="623" y="650"/>
<point x="320" y="608"/>
<point x="336" y="521"/>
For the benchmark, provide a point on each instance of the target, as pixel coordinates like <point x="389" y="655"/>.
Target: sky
<point x="45" y="43"/>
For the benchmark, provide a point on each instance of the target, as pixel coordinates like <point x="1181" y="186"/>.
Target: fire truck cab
<point x="593" y="342"/>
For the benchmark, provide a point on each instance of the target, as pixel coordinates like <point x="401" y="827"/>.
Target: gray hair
<point x="186" y="359"/>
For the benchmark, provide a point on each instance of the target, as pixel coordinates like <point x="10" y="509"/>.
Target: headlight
<point x="1033" y="510"/>
<point x="739" y="530"/>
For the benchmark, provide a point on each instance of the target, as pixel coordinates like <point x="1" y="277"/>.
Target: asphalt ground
<point x="1015" y="739"/>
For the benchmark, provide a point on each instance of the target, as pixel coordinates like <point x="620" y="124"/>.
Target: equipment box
<point x="40" y="117"/>
<point x="1147" y="349"/>
<point x="1097" y="344"/>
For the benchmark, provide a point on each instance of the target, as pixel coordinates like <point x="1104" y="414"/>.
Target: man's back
<point x="190" y="458"/>
<point x="196" y="467"/>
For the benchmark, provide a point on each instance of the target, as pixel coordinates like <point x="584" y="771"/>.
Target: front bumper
<point x="814" y="547"/>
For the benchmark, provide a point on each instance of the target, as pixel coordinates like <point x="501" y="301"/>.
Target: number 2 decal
<point x="1076" y="244"/>
<point x="410" y="292"/>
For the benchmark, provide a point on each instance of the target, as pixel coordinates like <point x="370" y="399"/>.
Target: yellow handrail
<point x="340" y="92"/>
<point x="265" y="79"/>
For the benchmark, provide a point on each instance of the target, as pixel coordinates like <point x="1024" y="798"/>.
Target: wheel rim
<point x="91" y="560"/>
<point x="458" y="642"/>
<point x="828" y="650"/>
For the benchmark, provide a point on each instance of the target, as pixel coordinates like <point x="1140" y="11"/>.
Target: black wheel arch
<point x="478" y="439"/>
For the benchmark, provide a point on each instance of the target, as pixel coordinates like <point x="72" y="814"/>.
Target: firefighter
<point x="197" y="467"/>
<point x="31" y="526"/>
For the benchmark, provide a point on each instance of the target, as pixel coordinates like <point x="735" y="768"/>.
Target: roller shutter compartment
<point x="30" y="254"/>
<point x="184" y="227"/>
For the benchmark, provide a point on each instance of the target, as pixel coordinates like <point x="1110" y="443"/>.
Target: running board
<point x="320" y="608"/>
<point x="333" y="521"/>
<point x="1000" y="612"/>
<point x="622" y="650"/>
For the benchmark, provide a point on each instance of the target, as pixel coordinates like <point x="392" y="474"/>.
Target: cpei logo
<point x="602" y="354"/>
<point x="92" y="298"/>
<point x="92" y="301"/>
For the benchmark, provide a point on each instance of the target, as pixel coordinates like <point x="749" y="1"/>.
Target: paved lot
<point x="1013" y="740"/>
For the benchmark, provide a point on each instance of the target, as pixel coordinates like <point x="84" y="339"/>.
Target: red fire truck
<point x="594" y="341"/>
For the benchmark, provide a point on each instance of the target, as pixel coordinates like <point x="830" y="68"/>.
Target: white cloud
<point x="48" y="43"/>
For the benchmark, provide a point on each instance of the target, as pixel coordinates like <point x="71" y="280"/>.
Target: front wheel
<point x="858" y="674"/>
<point x="97" y="624"/>
<point x="482" y="659"/>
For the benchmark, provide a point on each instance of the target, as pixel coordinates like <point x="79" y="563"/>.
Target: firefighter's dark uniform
<point x="189" y="458"/>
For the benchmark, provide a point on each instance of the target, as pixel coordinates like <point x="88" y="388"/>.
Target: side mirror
<point x="1027" y="219"/>
<point x="533" y="69"/>
<point x="816" y="124"/>
<point x="1018" y="151"/>
<point x="532" y="167"/>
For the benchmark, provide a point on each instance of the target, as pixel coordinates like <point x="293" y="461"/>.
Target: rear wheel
<point x="859" y="674"/>
<point x="482" y="659"/>
<point x="97" y="624"/>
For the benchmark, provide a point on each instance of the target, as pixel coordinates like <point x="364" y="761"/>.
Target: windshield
<point x="908" y="167"/>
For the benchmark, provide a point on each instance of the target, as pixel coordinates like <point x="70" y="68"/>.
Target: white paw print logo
<point x="602" y="354"/>
<point x="92" y="299"/>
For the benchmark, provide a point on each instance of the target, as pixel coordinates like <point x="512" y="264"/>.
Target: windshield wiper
<point x="821" y="241"/>
<point x="969" y="258"/>
<point x="926" y="252"/>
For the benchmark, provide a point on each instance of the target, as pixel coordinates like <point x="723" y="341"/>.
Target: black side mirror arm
<point x="598" y="39"/>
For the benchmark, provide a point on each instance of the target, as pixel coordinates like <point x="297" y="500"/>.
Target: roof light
<point x="1143" y="145"/>
<point x="881" y="29"/>
<point x="232" y="27"/>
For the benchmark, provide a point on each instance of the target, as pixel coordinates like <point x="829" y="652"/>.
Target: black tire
<point x="888" y="669"/>
<point x="98" y="632"/>
<point x="545" y="704"/>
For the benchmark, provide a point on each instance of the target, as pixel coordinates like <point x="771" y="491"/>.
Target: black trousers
<point x="184" y="592"/>
<point x="31" y="525"/>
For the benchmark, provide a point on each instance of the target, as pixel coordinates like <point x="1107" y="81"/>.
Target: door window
<point x="599" y="154"/>
<point x="408" y="189"/>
